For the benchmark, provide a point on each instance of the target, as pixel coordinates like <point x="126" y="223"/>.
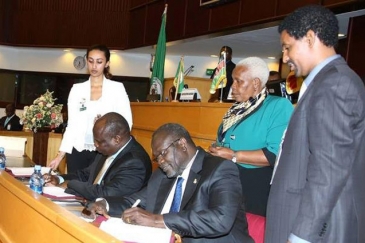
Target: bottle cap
<point x="1" y="149"/>
<point x="37" y="167"/>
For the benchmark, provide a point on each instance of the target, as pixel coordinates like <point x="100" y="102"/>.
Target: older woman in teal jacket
<point x="251" y="131"/>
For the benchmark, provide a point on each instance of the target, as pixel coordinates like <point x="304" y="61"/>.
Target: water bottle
<point x="2" y="159"/>
<point x="36" y="180"/>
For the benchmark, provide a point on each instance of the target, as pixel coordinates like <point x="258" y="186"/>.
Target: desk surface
<point x="19" y="162"/>
<point x="40" y="217"/>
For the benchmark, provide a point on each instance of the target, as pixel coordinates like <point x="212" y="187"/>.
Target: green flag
<point x="179" y="76"/>
<point x="157" y="78"/>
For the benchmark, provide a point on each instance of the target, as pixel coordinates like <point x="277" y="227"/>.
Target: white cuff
<point x="106" y="203"/>
<point x="295" y="239"/>
<point x="60" y="180"/>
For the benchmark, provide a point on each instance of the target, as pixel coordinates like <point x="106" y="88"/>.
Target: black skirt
<point x="256" y="188"/>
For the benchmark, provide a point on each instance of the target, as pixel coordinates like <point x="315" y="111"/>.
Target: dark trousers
<point x="256" y="188"/>
<point x="79" y="160"/>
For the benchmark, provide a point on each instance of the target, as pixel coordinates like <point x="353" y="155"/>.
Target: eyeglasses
<point x="163" y="152"/>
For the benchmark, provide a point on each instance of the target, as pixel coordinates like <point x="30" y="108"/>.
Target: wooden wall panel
<point x="356" y="45"/>
<point x="125" y="24"/>
<point x="3" y="19"/>
<point x="68" y="23"/>
<point x="285" y="7"/>
<point x="336" y="2"/>
<point x="176" y="15"/>
<point x="136" y="3"/>
<point x="197" y="19"/>
<point x="137" y="19"/>
<point x="225" y="16"/>
<point x="250" y="16"/>
<point x="153" y="21"/>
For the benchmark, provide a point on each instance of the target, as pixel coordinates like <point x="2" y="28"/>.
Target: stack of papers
<point x="26" y="171"/>
<point x="135" y="233"/>
<point x="56" y="193"/>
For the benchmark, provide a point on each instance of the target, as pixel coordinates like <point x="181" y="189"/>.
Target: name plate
<point x="190" y="94"/>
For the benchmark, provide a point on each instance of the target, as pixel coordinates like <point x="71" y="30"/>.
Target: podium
<point x="190" y="94"/>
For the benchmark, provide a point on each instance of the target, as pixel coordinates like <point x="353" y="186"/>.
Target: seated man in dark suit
<point x="210" y="206"/>
<point x="11" y="121"/>
<point x="122" y="167"/>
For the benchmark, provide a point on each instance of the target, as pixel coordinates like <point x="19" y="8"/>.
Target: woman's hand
<point x="57" y="160"/>
<point x="223" y="152"/>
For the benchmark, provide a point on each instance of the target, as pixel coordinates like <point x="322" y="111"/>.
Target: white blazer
<point x="114" y="99"/>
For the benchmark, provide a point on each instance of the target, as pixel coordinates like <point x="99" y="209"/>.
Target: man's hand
<point x="140" y="216"/>
<point x="50" y="180"/>
<point x="95" y="208"/>
<point x="63" y="185"/>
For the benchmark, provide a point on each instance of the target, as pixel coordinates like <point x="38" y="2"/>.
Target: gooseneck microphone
<point x="189" y="70"/>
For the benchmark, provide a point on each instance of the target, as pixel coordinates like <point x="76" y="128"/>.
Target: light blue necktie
<point x="6" y="121"/>
<point x="175" y="206"/>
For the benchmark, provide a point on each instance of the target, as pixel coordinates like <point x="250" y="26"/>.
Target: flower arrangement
<point x="42" y="113"/>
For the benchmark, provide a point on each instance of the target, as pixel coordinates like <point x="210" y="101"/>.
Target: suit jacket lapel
<point x="122" y="153"/>
<point x="194" y="178"/>
<point x="162" y="194"/>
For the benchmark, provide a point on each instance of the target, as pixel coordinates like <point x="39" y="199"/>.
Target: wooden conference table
<point x="29" y="217"/>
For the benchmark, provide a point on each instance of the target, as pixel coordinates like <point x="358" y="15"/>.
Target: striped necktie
<point x="175" y="206"/>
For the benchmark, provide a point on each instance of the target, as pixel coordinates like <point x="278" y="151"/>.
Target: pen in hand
<point x="135" y="204"/>
<point x="48" y="177"/>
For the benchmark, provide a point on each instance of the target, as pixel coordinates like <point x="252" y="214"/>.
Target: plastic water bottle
<point x="36" y="180"/>
<point x="2" y="159"/>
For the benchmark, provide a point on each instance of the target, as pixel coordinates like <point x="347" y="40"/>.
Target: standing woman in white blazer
<point x="86" y="102"/>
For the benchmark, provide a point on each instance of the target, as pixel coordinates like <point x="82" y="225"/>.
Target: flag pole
<point x="178" y="80"/>
<point x="157" y="77"/>
<point x="180" y="76"/>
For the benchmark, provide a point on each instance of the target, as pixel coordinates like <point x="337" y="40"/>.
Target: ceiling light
<point x="68" y="49"/>
<point x="273" y="58"/>
<point x="341" y="35"/>
<point x="213" y="56"/>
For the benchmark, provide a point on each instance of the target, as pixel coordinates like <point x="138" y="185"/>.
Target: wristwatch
<point x="234" y="159"/>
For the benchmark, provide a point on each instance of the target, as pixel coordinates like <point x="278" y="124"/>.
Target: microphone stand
<point x="188" y="71"/>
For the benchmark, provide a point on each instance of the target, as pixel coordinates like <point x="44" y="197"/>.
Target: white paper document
<point x="135" y="233"/>
<point x="26" y="171"/>
<point x="55" y="192"/>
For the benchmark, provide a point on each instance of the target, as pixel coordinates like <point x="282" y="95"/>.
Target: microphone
<point x="189" y="70"/>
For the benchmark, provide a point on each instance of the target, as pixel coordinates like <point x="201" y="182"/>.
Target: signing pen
<point x="136" y="203"/>
<point x="49" y="174"/>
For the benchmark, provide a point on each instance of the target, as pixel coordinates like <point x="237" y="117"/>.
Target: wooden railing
<point x="200" y="119"/>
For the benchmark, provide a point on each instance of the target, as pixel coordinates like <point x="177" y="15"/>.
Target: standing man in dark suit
<point x="229" y="69"/>
<point x="211" y="208"/>
<point x="318" y="189"/>
<point x="121" y="168"/>
<point x="11" y="121"/>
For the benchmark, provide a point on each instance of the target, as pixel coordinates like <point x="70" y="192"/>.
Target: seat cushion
<point x="256" y="227"/>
